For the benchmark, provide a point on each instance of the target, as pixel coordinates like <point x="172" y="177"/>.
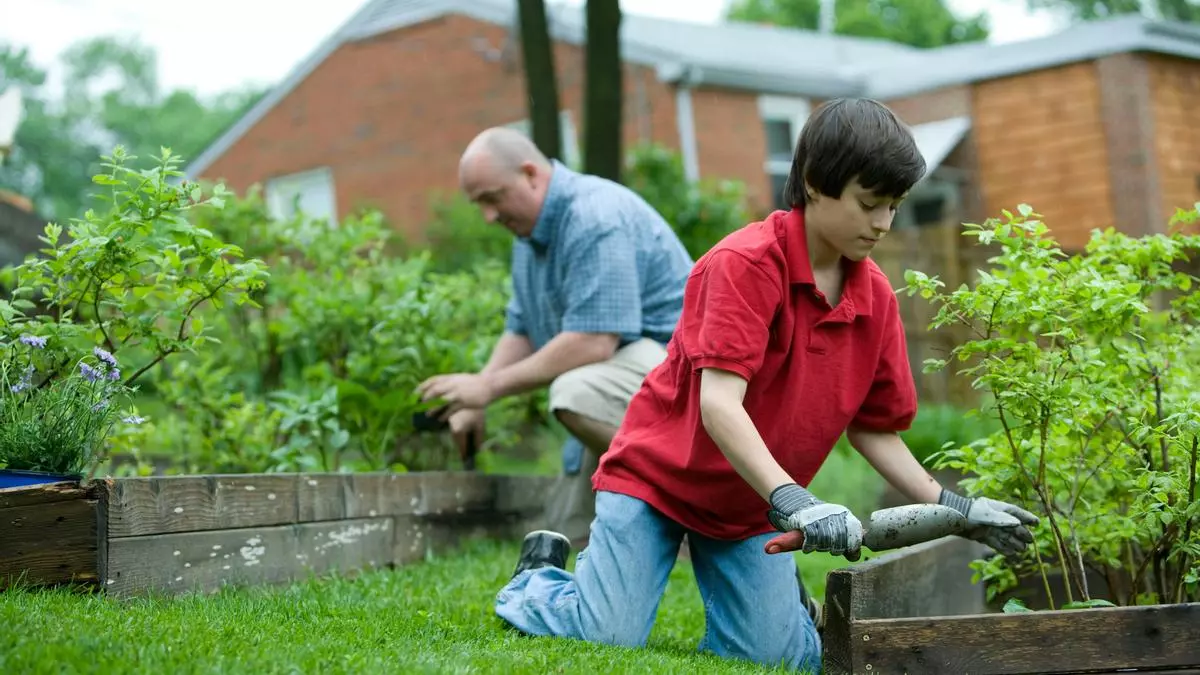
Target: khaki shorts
<point x="601" y="391"/>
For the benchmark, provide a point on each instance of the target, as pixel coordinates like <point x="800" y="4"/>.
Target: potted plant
<point x="54" y="420"/>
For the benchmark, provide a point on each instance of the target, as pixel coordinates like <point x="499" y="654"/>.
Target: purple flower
<point x="90" y="373"/>
<point x="104" y="356"/>
<point x="24" y="383"/>
<point x="133" y="419"/>
<point x="114" y="374"/>
<point x="33" y="341"/>
<point x="100" y="406"/>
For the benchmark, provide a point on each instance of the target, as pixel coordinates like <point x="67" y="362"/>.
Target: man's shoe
<point x="815" y="610"/>
<point x="543" y="548"/>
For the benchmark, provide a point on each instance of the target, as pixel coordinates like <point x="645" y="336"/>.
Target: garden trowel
<point x="896" y="527"/>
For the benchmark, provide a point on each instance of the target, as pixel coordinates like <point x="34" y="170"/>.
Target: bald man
<point x="598" y="278"/>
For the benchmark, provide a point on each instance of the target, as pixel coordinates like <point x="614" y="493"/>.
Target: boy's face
<point x="854" y="223"/>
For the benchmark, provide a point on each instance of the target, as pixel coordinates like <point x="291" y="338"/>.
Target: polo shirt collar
<point x="857" y="299"/>
<point x="554" y="207"/>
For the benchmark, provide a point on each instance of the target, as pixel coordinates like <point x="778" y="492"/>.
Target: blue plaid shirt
<point x="599" y="260"/>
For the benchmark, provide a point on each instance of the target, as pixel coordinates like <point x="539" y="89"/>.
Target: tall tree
<point x="603" y="97"/>
<point x="1086" y="10"/>
<point x="111" y="95"/>
<point x="541" y="82"/>
<point x="920" y="23"/>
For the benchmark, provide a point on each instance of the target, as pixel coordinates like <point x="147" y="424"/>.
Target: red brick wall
<point x="731" y="143"/>
<point x="1041" y="140"/>
<point x="390" y="115"/>
<point x="1175" y="91"/>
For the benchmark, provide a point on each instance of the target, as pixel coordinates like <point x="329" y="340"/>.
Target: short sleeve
<point x="891" y="403"/>
<point x="513" y="320"/>
<point x="728" y="308"/>
<point x="603" y="292"/>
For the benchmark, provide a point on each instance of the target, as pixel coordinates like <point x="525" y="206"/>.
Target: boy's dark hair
<point x="850" y="138"/>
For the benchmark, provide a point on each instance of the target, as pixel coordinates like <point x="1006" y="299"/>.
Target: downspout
<point x="686" y="122"/>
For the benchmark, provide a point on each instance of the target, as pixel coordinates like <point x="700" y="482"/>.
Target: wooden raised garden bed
<point x="916" y="611"/>
<point x="197" y="533"/>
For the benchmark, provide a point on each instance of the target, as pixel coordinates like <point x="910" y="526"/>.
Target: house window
<point x="569" y="141"/>
<point x="930" y="203"/>
<point x="310" y="193"/>
<point x="783" y="117"/>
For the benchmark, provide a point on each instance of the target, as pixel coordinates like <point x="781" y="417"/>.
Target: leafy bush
<point x="320" y="372"/>
<point x="938" y="426"/>
<point x="127" y="281"/>
<point x="1091" y="361"/>
<point x="701" y="213"/>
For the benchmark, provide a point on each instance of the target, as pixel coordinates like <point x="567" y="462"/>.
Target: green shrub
<point x="940" y="425"/>
<point x="701" y="213"/>
<point x="320" y="372"/>
<point x="128" y="282"/>
<point x="1092" y="363"/>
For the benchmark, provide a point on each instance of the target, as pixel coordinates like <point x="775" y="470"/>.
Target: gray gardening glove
<point x="998" y="524"/>
<point x="827" y="527"/>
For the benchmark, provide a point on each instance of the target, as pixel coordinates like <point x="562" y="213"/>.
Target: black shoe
<point x="815" y="610"/>
<point x="543" y="548"/>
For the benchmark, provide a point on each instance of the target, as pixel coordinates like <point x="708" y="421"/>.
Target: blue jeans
<point x="752" y="606"/>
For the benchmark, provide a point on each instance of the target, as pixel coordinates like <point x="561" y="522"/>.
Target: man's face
<point x="511" y="198"/>
<point x="854" y="223"/>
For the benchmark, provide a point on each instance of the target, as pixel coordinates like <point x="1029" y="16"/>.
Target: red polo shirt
<point x="751" y="307"/>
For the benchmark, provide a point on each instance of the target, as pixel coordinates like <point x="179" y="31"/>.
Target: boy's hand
<point x="998" y="524"/>
<point x="831" y="528"/>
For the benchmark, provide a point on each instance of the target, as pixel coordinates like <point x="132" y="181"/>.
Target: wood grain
<point x="206" y="561"/>
<point x="929" y="579"/>
<point x="1069" y="641"/>
<point x="46" y="493"/>
<point x="50" y="543"/>
<point x="172" y="504"/>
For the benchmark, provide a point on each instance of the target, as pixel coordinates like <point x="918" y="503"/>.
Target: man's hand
<point x="465" y="422"/>
<point x="460" y="391"/>
<point x="1000" y="525"/>
<point x="827" y="527"/>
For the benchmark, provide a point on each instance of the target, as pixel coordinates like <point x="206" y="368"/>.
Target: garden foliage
<point x="102" y="306"/>
<point x="1091" y="362"/>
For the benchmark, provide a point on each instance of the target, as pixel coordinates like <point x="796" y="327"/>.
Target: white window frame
<point x="569" y="143"/>
<point x="791" y="109"/>
<point x="941" y="184"/>
<point x="316" y="183"/>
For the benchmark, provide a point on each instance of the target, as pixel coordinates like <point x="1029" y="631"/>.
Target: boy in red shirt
<point x="790" y="336"/>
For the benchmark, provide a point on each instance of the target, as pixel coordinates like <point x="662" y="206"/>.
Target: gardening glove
<point x="827" y="527"/>
<point x="998" y="524"/>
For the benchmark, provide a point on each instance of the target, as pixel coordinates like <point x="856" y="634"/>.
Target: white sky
<point x="215" y="45"/>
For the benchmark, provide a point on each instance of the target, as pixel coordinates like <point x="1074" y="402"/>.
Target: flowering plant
<point x="57" y="424"/>
<point x="125" y="280"/>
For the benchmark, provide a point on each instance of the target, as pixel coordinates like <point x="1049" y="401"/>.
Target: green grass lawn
<point x="433" y="617"/>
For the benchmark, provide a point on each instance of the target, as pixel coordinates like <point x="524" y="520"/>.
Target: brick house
<point x="1089" y="125"/>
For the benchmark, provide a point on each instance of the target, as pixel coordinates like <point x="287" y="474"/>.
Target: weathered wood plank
<point x="207" y="560"/>
<point x="1071" y="641"/>
<point x="46" y="493"/>
<point x="929" y="579"/>
<point x="173" y="504"/>
<point x="50" y="543"/>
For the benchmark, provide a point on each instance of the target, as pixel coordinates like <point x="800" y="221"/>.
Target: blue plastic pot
<point x="10" y="478"/>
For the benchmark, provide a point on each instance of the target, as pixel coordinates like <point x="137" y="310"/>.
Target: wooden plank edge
<point x="48" y="493"/>
<point x="990" y="643"/>
<point x="500" y="503"/>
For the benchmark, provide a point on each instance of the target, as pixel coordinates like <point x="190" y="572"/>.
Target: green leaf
<point x="1088" y="604"/>
<point x="1015" y="606"/>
